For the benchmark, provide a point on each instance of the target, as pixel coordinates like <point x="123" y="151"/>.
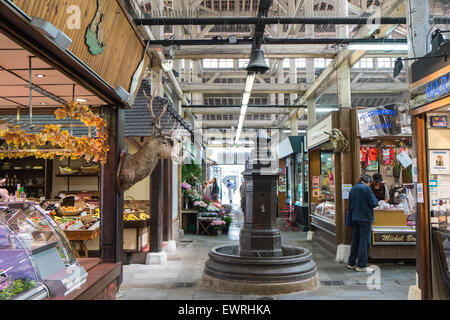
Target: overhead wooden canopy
<point x="15" y="79"/>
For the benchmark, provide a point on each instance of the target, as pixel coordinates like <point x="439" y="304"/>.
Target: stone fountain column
<point x="260" y="264"/>
<point x="259" y="236"/>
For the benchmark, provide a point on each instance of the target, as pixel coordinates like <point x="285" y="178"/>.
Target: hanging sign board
<point x="318" y="133"/>
<point x="379" y="121"/>
<point x="435" y="89"/>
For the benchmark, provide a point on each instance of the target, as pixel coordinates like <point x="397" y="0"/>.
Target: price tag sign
<point x="420" y="193"/>
<point x="61" y="195"/>
<point x="315" y="181"/>
<point x="83" y="214"/>
<point x="414" y="170"/>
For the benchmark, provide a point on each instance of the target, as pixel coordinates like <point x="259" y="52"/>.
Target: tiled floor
<point x="181" y="278"/>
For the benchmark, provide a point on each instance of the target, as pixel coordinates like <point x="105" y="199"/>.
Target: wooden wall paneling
<point x="314" y="170"/>
<point x="338" y="203"/>
<point x="111" y="200"/>
<point x="347" y="171"/>
<point x="156" y="208"/>
<point x="123" y="48"/>
<point x="423" y="259"/>
<point x="167" y="200"/>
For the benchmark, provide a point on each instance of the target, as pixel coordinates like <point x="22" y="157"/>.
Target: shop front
<point x="61" y="130"/>
<point x="385" y="149"/>
<point x="326" y="205"/>
<point x="341" y="147"/>
<point x="430" y="111"/>
<point x="293" y="163"/>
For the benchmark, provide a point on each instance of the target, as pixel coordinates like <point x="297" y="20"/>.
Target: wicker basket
<point x="133" y="208"/>
<point x="78" y="204"/>
<point x="87" y="218"/>
<point x="89" y="169"/>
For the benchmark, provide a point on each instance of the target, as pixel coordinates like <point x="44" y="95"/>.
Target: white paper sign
<point x="346" y="191"/>
<point x="443" y="186"/>
<point x="439" y="162"/>
<point x="414" y="170"/>
<point x="61" y="195"/>
<point x="42" y="199"/>
<point x="404" y="159"/>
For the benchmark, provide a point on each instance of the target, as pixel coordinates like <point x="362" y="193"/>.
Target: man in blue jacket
<point x="362" y="201"/>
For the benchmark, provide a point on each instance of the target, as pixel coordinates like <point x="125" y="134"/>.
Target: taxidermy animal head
<point x="338" y="141"/>
<point x="167" y="145"/>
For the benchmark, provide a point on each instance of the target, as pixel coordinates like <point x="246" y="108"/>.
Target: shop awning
<point x="62" y="66"/>
<point x="290" y="145"/>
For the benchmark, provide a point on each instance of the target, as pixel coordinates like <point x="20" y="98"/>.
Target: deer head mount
<point x="338" y="141"/>
<point x="136" y="167"/>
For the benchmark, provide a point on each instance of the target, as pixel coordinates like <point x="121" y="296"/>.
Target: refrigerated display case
<point x="35" y="255"/>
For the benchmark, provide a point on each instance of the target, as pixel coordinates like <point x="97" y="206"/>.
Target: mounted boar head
<point x="136" y="167"/>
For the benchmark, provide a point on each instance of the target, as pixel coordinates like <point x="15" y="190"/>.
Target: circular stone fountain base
<point x="226" y="271"/>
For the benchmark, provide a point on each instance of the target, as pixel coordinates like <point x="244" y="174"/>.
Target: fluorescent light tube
<point x="249" y="82"/>
<point x="378" y="46"/>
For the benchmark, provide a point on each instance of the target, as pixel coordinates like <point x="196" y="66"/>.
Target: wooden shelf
<point x="29" y="186"/>
<point x="22" y="169"/>
<point x="78" y="175"/>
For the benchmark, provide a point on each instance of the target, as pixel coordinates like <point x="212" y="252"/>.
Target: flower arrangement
<point x="200" y="206"/>
<point x="212" y="208"/>
<point x="186" y="186"/>
<point x="218" y="224"/>
<point x="186" y="189"/>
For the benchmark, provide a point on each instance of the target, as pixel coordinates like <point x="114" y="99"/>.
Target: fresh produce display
<point x="11" y="288"/>
<point x="70" y="210"/>
<point x="77" y="223"/>
<point x="133" y="217"/>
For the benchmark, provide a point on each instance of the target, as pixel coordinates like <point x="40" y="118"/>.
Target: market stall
<point x="430" y="106"/>
<point x="293" y="178"/>
<point x="68" y="119"/>
<point x="367" y="140"/>
<point x="326" y="174"/>
<point x="385" y="148"/>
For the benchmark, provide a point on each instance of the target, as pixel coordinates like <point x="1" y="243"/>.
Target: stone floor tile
<point x="159" y="282"/>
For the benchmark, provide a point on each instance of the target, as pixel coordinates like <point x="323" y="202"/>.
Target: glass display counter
<point x="326" y="210"/>
<point x="36" y="260"/>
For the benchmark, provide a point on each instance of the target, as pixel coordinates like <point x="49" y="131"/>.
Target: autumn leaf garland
<point x="92" y="149"/>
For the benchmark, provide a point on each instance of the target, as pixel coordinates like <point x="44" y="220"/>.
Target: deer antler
<point x="157" y="120"/>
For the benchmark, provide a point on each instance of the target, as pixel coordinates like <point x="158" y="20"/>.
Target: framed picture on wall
<point x="439" y="161"/>
<point x="438" y="121"/>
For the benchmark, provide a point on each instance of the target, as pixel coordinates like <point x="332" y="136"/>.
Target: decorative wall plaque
<point x="95" y="35"/>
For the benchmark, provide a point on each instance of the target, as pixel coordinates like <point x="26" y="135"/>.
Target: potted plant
<point x="218" y="226"/>
<point x="228" y="221"/>
<point x="186" y="190"/>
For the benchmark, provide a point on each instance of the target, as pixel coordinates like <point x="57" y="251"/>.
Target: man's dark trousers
<point x="360" y="243"/>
